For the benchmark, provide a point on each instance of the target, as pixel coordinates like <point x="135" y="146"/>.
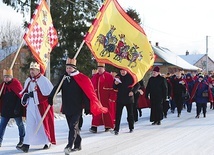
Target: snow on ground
<point x="175" y="136"/>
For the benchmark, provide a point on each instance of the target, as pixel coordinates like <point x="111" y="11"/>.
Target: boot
<point x="158" y="123"/>
<point x="197" y="116"/>
<point x="140" y="113"/>
<point x="20" y="143"/>
<point x="204" y="114"/>
<point x="107" y="129"/>
<point x="67" y="150"/>
<point x="23" y="148"/>
<point x="93" y="129"/>
<point x="154" y="123"/>
<point x="76" y="148"/>
<point x="46" y="146"/>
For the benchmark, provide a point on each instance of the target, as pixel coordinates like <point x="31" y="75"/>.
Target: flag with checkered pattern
<point x="41" y="36"/>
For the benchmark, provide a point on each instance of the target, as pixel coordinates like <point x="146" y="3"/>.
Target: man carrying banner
<point x="10" y="106"/>
<point x="103" y="85"/>
<point x="35" y="97"/>
<point x="77" y="92"/>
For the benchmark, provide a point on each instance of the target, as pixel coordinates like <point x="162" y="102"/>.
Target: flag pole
<point x="78" y="51"/>
<point x="48" y="70"/>
<point x="49" y="106"/>
<point x="12" y="64"/>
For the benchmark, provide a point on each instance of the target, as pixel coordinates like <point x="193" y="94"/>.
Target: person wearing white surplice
<point x="35" y="97"/>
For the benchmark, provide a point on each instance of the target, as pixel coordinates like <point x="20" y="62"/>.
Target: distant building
<point x="199" y="60"/>
<point x="7" y="55"/>
<point x="169" y="62"/>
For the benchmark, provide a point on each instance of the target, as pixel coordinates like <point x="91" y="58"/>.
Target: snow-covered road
<point x="175" y="136"/>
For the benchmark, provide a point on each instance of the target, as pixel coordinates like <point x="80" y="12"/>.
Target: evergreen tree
<point x="72" y="19"/>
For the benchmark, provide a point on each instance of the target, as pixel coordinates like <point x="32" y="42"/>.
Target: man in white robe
<point x="35" y="97"/>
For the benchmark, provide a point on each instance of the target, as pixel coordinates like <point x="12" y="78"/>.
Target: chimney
<point x="187" y="52"/>
<point x="156" y="44"/>
<point x="4" y="43"/>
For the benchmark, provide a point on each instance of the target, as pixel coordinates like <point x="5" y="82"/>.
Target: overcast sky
<point x="179" y="25"/>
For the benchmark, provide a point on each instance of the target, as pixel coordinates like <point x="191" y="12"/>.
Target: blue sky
<point x="179" y="25"/>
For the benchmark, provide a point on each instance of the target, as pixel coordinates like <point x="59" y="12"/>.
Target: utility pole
<point x="207" y="54"/>
<point x="48" y="72"/>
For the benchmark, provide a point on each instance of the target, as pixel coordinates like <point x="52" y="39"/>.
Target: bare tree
<point x="11" y="33"/>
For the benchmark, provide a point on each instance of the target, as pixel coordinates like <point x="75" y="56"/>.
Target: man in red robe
<point x="103" y="85"/>
<point x="35" y="97"/>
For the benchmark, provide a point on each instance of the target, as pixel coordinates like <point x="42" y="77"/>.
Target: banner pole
<point x="78" y="51"/>
<point x="49" y="106"/>
<point x="12" y="64"/>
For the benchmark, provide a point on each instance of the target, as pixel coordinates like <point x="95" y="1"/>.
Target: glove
<point x="87" y="111"/>
<point x="30" y="94"/>
<point x="25" y="97"/>
<point x="66" y="74"/>
<point x="50" y="100"/>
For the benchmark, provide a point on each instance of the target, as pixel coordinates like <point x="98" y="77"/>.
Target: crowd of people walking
<point x="104" y="96"/>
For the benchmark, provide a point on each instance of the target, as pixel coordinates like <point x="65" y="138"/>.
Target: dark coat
<point x="177" y="87"/>
<point x="169" y="86"/>
<point x="198" y="89"/>
<point x="157" y="89"/>
<point x="125" y="88"/>
<point x="73" y="97"/>
<point x="10" y="101"/>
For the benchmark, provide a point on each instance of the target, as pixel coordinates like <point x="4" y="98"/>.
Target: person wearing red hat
<point x="156" y="90"/>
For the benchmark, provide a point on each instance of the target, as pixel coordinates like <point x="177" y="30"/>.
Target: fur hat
<point x="34" y="65"/>
<point x="156" y="69"/>
<point x="8" y="72"/>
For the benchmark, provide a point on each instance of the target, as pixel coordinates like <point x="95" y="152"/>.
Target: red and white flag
<point x="41" y="36"/>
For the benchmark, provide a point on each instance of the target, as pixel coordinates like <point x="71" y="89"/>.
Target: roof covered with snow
<point x="193" y="58"/>
<point x="172" y="58"/>
<point x="7" y="51"/>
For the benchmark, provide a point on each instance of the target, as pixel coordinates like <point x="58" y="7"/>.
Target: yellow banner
<point x="114" y="38"/>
